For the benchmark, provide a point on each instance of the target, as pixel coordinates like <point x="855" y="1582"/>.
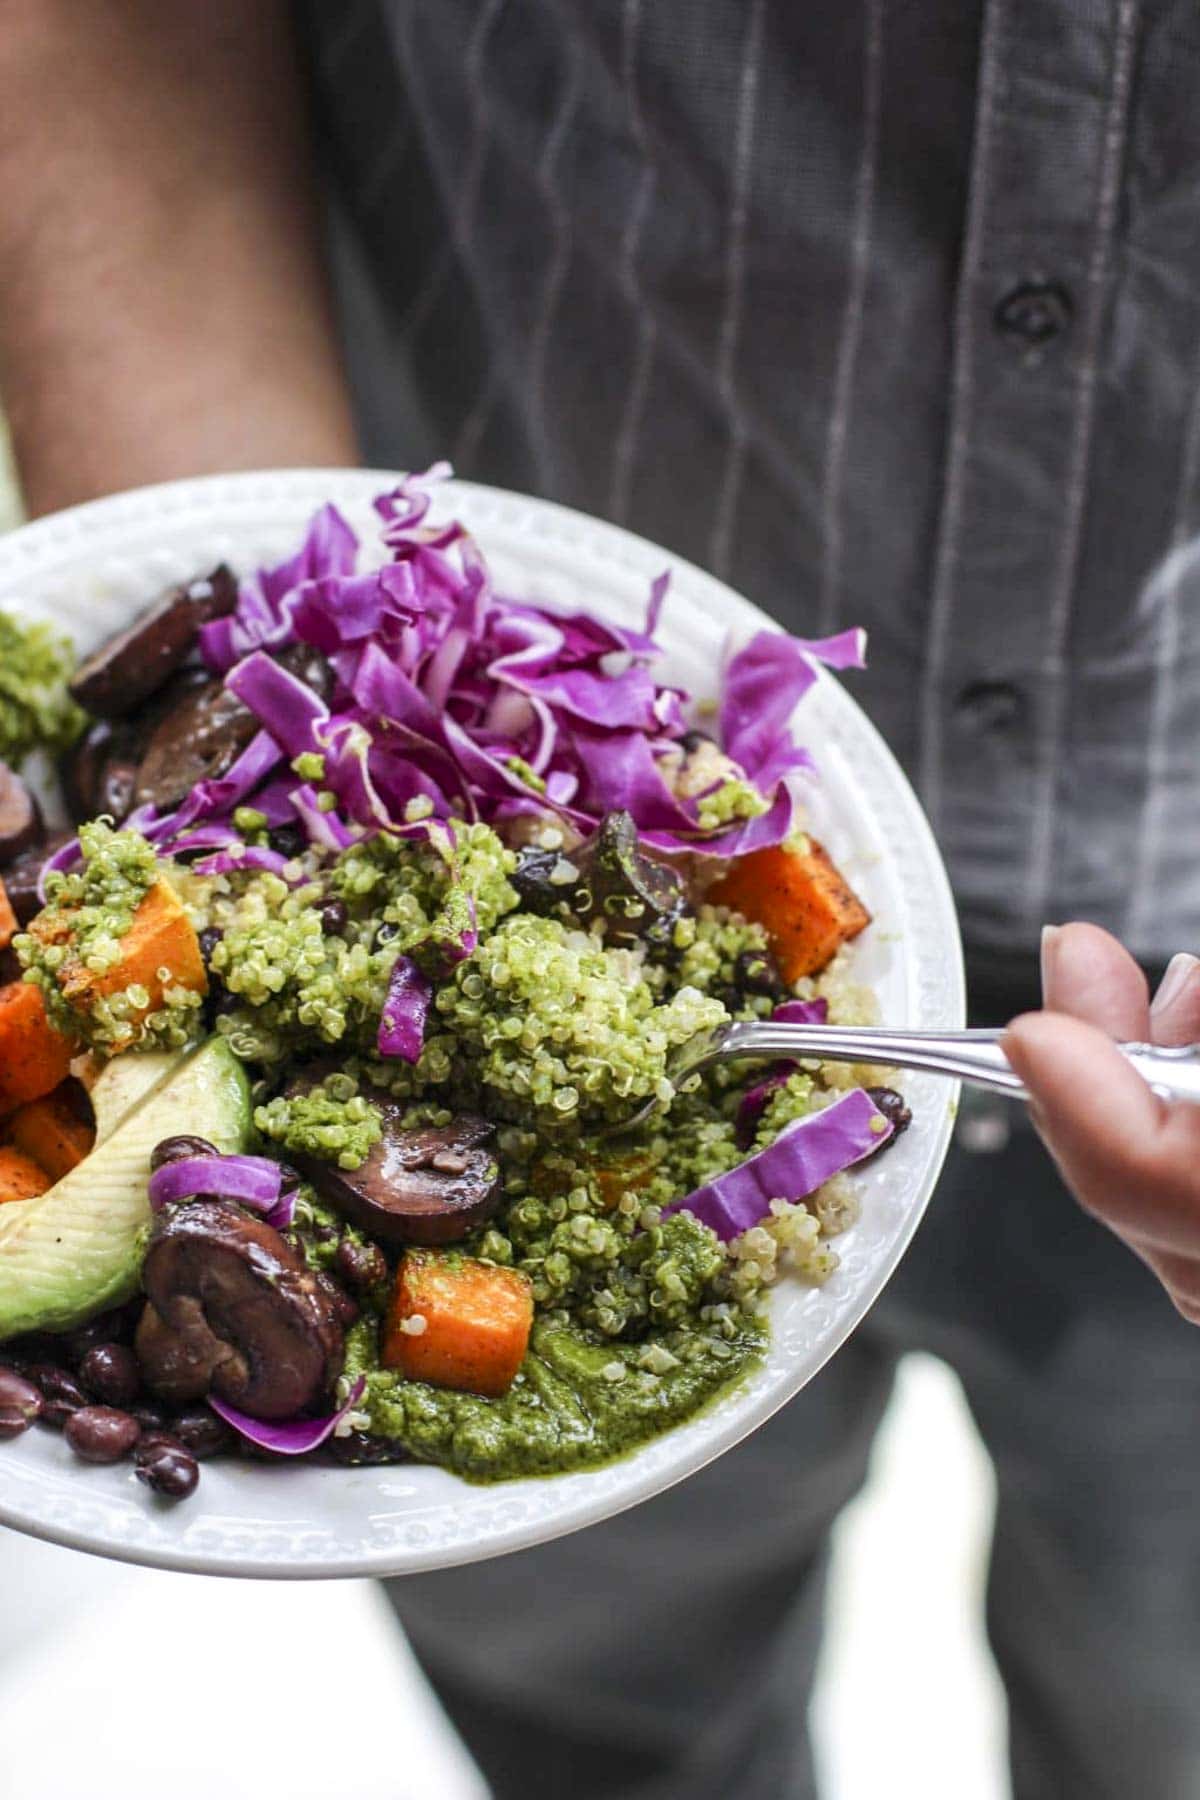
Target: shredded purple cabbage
<point x="262" y="619"/>
<point x="402" y="1026"/>
<point x="288" y="1437"/>
<point x="801" y="1012"/>
<point x="493" y="708"/>
<point x="449" y="696"/>
<point x="794" y="1166"/>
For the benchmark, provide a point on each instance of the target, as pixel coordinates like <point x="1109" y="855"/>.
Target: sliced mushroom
<point x="423" y="1186"/>
<point x="177" y="1362"/>
<point x="309" y="666"/>
<point x="99" y="773"/>
<point x="20" y="815"/>
<point x="234" y="1311"/>
<point x="199" y="729"/>
<point x="122" y="674"/>
<point x="198" y="733"/>
<point x="636" y="896"/>
<point x="21" y="874"/>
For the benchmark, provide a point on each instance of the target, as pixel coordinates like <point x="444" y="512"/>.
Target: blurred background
<point x="907" y="1701"/>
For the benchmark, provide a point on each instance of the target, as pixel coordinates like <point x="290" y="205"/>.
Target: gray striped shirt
<point x="889" y="314"/>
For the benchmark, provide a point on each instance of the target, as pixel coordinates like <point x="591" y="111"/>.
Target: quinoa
<point x="561" y="1030"/>
<point x="332" y="1121"/>
<point x="36" y="711"/>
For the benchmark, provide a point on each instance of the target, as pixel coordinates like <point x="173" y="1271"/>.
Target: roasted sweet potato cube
<point x="808" y="908"/>
<point x="159" y="951"/>
<point x="51" y="1132"/>
<point x="457" y="1322"/>
<point x="20" y="1176"/>
<point x="34" y="1057"/>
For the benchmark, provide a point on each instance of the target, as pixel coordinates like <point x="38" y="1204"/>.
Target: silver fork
<point x="973" y="1056"/>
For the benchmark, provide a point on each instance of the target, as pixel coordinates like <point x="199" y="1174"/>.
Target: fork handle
<point x="972" y="1056"/>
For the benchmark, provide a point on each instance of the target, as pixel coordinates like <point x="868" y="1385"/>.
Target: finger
<point x="1175" y="1009"/>
<point x="1088" y="974"/>
<point x="1128" y="1158"/>
<point x="1180" y="1275"/>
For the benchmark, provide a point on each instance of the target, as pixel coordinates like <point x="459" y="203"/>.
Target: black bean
<point x="757" y="972"/>
<point x="150" y="1417"/>
<point x="347" y="1309"/>
<point x="893" y="1106"/>
<point x="288" y="840"/>
<point x="111" y="1372"/>
<point x="201" y="1432"/>
<point x="210" y="937"/>
<point x="32" y="1347"/>
<point x="174" y="1149"/>
<point x="113" y="1327"/>
<point x="61" y="1393"/>
<point x="334" y="917"/>
<point x="152" y="1441"/>
<point x="101" y="1434"/>
<point x="20" y="1403"/>
<point x="169" y="1472"/>
<point x="895" y="1109"/>
<point x="360" y="1266"/>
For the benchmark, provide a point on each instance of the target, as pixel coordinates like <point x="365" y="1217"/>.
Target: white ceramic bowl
<point x="89" y="569"/>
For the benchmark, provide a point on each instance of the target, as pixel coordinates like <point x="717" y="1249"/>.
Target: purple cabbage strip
<point x="326" y="830"/>
<point x="288" y="1437"/>
<point x="285" y="705"/>
<point x="402" y="1026"/>
<point x="765" y="682"/>
<point x="801" y="1012"/>
<point x="249" y="856"/>
<point x="804" y="1156"/>
<point x="254" y="1180"/>
<point x="754" y="1100"/>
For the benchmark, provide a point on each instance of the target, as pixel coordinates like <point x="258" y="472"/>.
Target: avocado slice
<point x="125" y="1082"/>
<point x="77" y="1248"/>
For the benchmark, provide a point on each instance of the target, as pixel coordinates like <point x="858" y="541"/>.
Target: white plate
<point x="88" y="569"/>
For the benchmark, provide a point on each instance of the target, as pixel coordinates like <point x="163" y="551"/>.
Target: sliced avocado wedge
<point x="77" y="1248"/>
<point x="125" y="1082"/>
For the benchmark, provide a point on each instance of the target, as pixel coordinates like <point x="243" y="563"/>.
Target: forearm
<point x="163" y="304"/>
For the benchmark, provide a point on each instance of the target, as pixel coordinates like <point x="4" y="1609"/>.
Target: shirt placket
<point x="1030" y="319"/>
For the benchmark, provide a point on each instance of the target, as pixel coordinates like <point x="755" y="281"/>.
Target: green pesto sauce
<point x="564" y="1411"/>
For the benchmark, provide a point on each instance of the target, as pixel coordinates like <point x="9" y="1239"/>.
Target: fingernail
<point x="1179" y="972"/>
<point x="1049" y="936"/>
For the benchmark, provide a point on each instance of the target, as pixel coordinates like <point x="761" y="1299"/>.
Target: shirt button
<point x="1033" y="314"/>
<point x="989" y="705"/>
